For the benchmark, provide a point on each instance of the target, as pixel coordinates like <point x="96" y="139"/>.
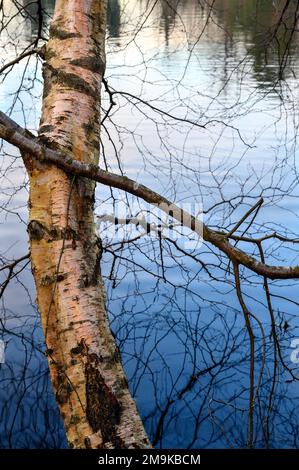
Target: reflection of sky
<point x="212" y="87"/>
<point x="182" y="161"/>
<point x="17" y="30"/>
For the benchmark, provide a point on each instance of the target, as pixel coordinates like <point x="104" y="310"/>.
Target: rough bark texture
<point x="90" y="385"/>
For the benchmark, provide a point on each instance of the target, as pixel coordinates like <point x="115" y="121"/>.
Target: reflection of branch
<point x="32" y="148"/>
<point x="35" y="50"/>
<point x="130" y="96"/>
<point x="11" y="274"/>
<point x="276" y="347"/>
<point x="111" y="100"/>
<point x="254" y="209"/>
<point x="246" y="314"/>
<point x="190" y="384"/>
<point x="245" y="216"/>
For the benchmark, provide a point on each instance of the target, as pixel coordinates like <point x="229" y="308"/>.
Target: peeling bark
<point x="88" y="380"/>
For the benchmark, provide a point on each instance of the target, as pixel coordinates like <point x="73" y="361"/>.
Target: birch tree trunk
<point x="88" y="380"/>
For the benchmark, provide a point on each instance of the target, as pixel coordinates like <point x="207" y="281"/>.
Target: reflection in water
<point x="29" y="25"/>
<point x="183" y="341"/>
<point x="39" y="15"/>
<point x="169" y="11"/>
<point x="113" y="18"/>
<point x="256" y="21"/>
<point x="233" y="24"/>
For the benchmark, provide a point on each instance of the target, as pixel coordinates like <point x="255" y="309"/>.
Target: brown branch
<point x="245" y="216"/>
<point x="31" y="147"/>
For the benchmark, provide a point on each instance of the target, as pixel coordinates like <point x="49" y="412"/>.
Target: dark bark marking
<point x="46" y="128"/>
<point x="74" y="420"/>
<point x="49" y="352"/>
<point x="70" y="80"/>
<point x="48" y="280"/>
<point x="87" y="443"/>
<point x="77" y="349"/>
<point x="38" y="231"/>
<point x="63" y="388"/>
<point x="103" y="410"/>
<point x="94" y="63"/>
<point x="57" y="33"/>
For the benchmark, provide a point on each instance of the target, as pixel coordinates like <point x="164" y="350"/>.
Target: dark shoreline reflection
<point x="113" y="18"/>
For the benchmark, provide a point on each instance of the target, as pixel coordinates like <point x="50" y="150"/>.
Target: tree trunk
<point x="88" y="380"/>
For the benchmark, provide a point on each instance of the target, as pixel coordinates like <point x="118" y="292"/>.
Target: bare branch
<point x="31" y="147"/>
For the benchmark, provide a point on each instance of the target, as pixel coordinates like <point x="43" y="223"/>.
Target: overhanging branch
<point x="29" y="145"/>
